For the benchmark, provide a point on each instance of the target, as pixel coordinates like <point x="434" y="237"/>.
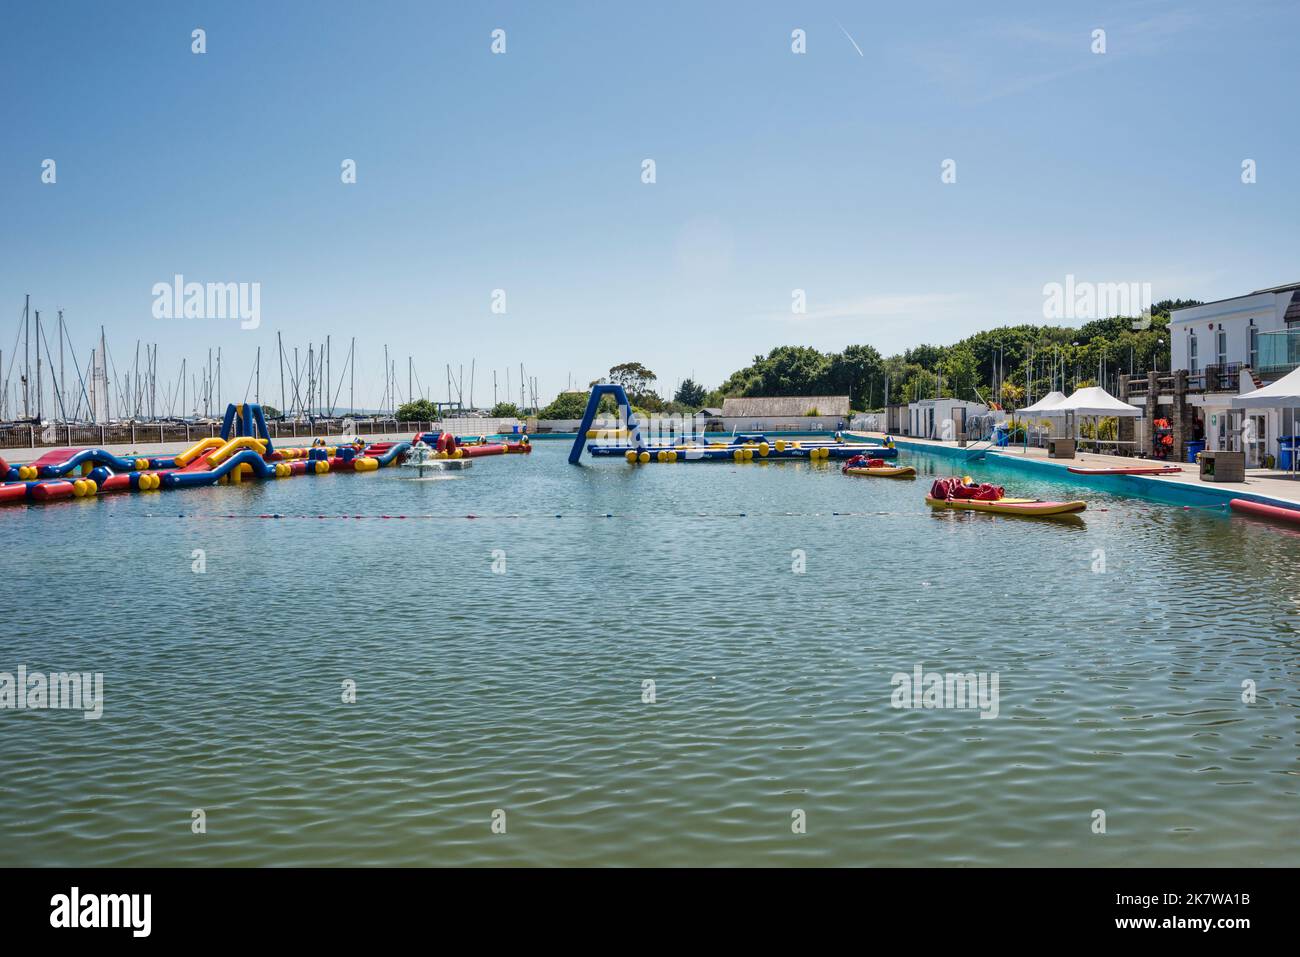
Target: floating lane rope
<point x="277" y="516"/>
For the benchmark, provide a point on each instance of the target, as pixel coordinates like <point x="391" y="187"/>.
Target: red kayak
<point x="1127" y="470"/>
<point x="1259" y="510"/>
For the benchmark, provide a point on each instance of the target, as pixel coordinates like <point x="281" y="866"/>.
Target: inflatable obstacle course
<point x="244" y="450"/>
<point x="450" y="446"/>
<point x="630" y="440"/>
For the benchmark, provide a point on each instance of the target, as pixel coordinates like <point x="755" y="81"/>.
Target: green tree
<point x="858" y="372"/>
<point x="505" y="410"/>
<point x="421" y="410"/>
<point x="790" y="370"/>
<point x="962" y="373"/>
<point x="637" y="381"/>
<point x="567" y="405"/>
<point x="690" y="393"/>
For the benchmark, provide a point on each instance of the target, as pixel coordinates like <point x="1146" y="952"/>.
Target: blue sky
<point x="522" y="172"/>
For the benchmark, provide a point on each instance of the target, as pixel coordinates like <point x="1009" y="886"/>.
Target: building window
<point x="1254" y="347"/>
<point x="1221" y="348"/>
<point x="1193" y="363"/>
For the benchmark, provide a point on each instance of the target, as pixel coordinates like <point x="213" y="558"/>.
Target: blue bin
<point x="1194" y="449"/>
<point x="1285" y="449"/>
<point x="1001" y="436"/>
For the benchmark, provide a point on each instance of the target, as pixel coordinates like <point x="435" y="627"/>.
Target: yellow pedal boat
<point x="883" y="471"/>
<point x="1009" y="506"/>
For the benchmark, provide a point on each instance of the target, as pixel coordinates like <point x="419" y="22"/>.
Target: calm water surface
<point x="521" y="691"/>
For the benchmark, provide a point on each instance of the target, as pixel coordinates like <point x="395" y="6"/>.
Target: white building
<point x="941" y="418"/>
<point x="1234" y="346"/>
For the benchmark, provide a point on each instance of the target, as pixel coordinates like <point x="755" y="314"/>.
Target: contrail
<point x="851" y="40"/>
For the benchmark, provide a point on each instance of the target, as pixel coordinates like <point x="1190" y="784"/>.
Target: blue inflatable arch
<point x="598" y="392"/>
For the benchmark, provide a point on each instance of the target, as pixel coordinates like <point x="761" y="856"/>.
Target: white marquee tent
<point x="1094" y="402"/>
<point x="1282" y="394"/>
<point x="1043" y="407"/>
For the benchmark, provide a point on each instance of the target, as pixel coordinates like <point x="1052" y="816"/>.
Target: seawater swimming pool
<point x="500" y="663"/>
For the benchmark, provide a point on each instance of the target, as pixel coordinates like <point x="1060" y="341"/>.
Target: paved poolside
<point x="1260" y="483"/>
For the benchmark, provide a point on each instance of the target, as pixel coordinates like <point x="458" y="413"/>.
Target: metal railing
<point x="1216" y="378"/>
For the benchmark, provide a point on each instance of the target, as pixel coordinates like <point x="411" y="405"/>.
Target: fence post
<point x="133" y="431"/>
<point x="102" y="436"/>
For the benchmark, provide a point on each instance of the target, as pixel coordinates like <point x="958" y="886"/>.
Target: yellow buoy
<point x="79" y="488"/>
<point x="322" y="466"/>
<point x="630" y="455"/>
<point x="749" y="455"/>
<point x="672" y="455"/>
<point x="763" y="449"/>
<point x="643" y="458"/>
<point x="738" y="455"/>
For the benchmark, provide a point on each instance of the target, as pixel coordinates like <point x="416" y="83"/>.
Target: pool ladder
<point x="977" y="450"/>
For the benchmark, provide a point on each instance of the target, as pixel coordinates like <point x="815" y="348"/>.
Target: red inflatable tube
<point x="474" y="451"/>
<point x="13" y="493"/>
<point x="117" y="483"/>
<point x="51" y="490"/>
<point x="1277" y="513"/>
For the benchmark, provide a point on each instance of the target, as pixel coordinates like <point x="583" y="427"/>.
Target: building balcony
<point x="1225" y="378"/>
<point x="1279" y="352"/>
<point x="1216" y="378"/>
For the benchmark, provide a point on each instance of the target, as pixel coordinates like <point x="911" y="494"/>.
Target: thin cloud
<point x="980" y="70"/>
<point x="851" y="40"/>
